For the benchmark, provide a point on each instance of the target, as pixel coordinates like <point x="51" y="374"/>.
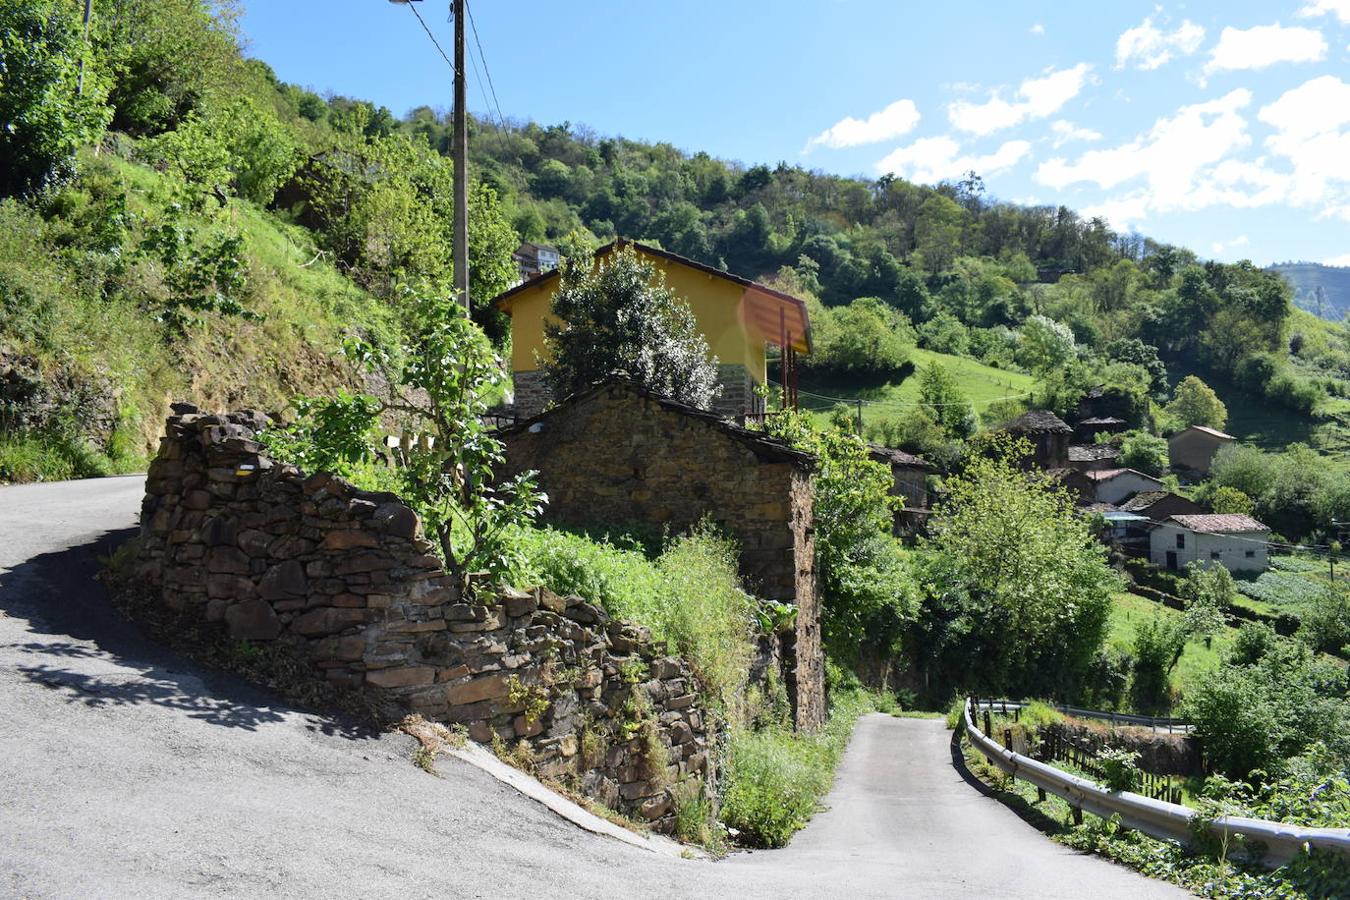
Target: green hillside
<point x="1321" y="290"/>
<point x="982" y="384"/>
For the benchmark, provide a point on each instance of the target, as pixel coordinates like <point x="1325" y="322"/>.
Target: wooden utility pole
<point x="460" y="140"/>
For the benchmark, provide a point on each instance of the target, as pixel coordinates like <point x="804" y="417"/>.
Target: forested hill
<point x="189" y="225"/>
<point x="1321" y="290"/>
<point x="946" y="266"/>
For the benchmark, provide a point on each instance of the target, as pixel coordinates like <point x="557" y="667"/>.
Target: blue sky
<point x="1221" y="126"/>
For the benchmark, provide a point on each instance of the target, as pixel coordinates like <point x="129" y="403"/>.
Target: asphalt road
<point x="125" y="770"/>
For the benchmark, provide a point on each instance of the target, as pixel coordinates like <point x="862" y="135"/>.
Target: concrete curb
<point x="481" y="758"/>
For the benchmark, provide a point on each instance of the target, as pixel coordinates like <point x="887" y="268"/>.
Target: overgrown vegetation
<point x="776" y="777"/>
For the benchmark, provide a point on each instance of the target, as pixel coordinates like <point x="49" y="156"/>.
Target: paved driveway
<point x="125" y="770"/>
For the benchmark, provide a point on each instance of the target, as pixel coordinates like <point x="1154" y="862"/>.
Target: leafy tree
<point x="942" y="399"/>
<point x="166" y="58"/>
<point x="1017" y="589"/>
<point x="1225" y="499"/>
<point x="43" y="119"/>
<point x="866" y="589"/>
<point x="1208" y="592"/>
<point x="438" y="385"/>
<point x="1045" y="344"/>
<point x="1158" y="645"/>
<point x="1195" y="403"/>
<point x="383" y="206"/>
<point x="1145" y="452"/>
<point x="865" y="340"/>
<point x="618" y="315"/>
<point x="1136" y="352"/>
<point x="238" y="145"/>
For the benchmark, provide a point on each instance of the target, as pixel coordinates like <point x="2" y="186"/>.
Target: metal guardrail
<point x="1157" y="723"/>
<point x="1273" y="843"/>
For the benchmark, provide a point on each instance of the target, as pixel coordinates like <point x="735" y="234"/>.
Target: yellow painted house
<point x="738" y="317"/>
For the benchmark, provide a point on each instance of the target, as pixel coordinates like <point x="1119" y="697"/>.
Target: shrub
<point x="1158" y="645"/>
<point x="776" y="777"/>
<point x="689" y="596"/>
<point x="1325" y="621"/>
<point x="1234" y="722"/>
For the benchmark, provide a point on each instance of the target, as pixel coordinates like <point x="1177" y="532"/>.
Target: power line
<point x="473" y="26"/>
<point x="906" y="404"/>
<point x="440" y="49"/>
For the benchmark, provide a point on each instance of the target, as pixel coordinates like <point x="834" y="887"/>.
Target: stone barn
<point x="1049" y="436"/>
<point x="618" y="454"/>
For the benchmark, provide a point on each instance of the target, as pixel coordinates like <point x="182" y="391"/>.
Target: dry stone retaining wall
<point x="346" y="581"/>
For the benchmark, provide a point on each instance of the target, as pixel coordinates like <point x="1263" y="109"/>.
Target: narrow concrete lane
<point x="902" y="815"/>
<point x="126" y="770"/>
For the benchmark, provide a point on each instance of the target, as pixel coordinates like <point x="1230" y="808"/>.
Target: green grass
<point x="982" y="384"/>
<point x="89" y="315"/>
<point x="1198" y="661"/>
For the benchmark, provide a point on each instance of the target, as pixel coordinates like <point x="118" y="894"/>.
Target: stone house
<point x="1094" y="457"/>
<point x="1193" y="449"/>
<point x="1236" y="542"/>
<point x="618" y="454"/>
<point x="1114" y="485"/>
<point x="909" y="474"/>
<point x="738" y="317"/>
<point x="1049" y="436"/>
<point x="1086" y="430"/>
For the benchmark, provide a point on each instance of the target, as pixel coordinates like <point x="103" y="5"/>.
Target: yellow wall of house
<point x="716" y="304"/>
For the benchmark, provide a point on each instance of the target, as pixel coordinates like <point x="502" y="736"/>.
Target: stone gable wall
<point x="617" y="457"/>
<point x="346" y="581"/>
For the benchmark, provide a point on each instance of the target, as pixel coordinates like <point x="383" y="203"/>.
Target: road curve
<point x="128" y="770"/>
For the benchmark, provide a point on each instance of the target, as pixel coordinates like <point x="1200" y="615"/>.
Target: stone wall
<point x="532" y="394"/>
<point x="619" y="455"/>
<point x="345" y="580"/>
<point x="738" y="397"/>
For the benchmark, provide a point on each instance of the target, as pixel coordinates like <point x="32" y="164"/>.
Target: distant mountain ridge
<point x="1320" y="289"/>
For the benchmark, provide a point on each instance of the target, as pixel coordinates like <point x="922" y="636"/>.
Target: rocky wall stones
<point x="619" y="455"/>
<point x="346" y="581"/>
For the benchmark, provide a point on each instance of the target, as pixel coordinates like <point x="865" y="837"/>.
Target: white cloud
<point x="1038" y="29"/>
<point x="1338" y="8"/>
<point x="1169" y="157"/>
<point x="1310" y="122"/>
<point x="1265" y="45"/>
<point x="897" y="119"/>
<point x="1145" y="46"/>
<point x="1342" y="260"/>
<point x="1220" y="246"/>
<point x="1121" y="213"/>
<point x="1036" y="99"/>
<point x="1066" y="132"/>
<point x="933" y="159"/>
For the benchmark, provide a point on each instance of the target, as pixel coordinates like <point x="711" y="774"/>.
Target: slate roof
<point x="1143" y="500"/>
<point x="1102" y="420"/>
<point x="894" y="457"/>
<point x="764" y="445"/>
<point x="1038" y="421"/>
<point x="1219" y="523"/>
<point x="1093" y="452"/>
